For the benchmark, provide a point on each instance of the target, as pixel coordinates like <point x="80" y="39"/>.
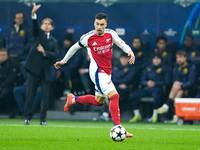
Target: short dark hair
<point x="19" y="12"/>
<point x="181" y="53"/>
<point x="51" y="21"/>
<point x="3" y="50"/>
<point x="101" y="16"/>
<point x="161" y="37"/>
<point x="157" y="54"/>
<point x="137" y="37"/>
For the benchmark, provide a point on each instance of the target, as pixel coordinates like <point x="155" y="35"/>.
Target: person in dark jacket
<point x="20" y="37"/>
<point x="184" y="80"/>
<point x="154" y="77"/>
<point x="141" y="54"/>
<point x="43" y="53"/>
<point x="141" y="59"/>
<point x="190" y="48"/>
<point x="7" y="79"/>
<point x="166" y="53"/>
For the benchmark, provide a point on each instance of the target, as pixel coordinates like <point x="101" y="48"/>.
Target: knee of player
<point x="100" y="100"/>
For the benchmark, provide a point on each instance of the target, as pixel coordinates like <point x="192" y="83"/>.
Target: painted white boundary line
<point x="100" y="127"/>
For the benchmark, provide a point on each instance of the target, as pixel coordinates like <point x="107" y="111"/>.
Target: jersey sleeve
<point x="119" y="42"/>
<point x="83" y="41"/>
<point x="71" y="52"/>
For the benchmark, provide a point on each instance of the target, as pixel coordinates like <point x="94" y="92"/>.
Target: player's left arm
<point x="120" y="43"/>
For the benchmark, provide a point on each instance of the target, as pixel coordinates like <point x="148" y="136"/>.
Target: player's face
<point x="46" y="26"/>
<point x="100" y="26"/>
<point x="156" y="61"/>
<point x="161" y="44"/>
<point x="19" y="18"/>
<point x="180" y="59"/>
<point x="136" y="43"/>
<point x="3" y="56"/>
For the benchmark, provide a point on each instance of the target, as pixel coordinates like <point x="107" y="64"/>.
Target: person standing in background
<point x="43" y="53"/>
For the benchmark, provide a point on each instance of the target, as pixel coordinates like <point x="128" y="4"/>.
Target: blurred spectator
<point x="154" y="77"/>
<point x="141" y="59"/>
<point x="20" y="38"/>
<point x="20" y="93"/>
<point x="7" y="79"/>
<point x="84" y="74"/>
<point x="184" y="82"/>
<point x="122" y="77"/>
<point x="141" y="54"/>
<point x="70" y="69"/>
<point x="190" y="48"/>
<point x="166" y="53"/>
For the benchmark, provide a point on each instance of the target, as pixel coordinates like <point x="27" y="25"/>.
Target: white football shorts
<point x="103" y="83"/>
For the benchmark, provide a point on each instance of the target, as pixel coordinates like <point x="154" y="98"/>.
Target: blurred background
<point x="173" y="19"/>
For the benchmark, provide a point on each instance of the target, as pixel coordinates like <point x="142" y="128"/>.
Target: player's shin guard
<point x="87" y="99"/>
<point x="114" y="109"/>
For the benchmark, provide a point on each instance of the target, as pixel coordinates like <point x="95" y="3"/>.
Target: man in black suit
<point x="43" y="53"/>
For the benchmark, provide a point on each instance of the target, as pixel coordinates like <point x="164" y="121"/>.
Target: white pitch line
<point x="108" y="127"/>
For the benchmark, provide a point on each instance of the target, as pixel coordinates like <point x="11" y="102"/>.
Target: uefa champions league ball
<point x="118" y="133"/>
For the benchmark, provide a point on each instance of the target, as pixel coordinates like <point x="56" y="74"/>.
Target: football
<point x="118" y="133"/>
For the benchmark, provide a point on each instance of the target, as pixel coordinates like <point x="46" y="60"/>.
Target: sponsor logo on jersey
<point x="102" y="49"/>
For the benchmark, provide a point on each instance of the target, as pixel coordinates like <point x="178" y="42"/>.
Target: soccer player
<point x="99" y="47"/>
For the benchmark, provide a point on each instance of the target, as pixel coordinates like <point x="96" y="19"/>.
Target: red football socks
<point x="114" y="109"/>
<point x="87" y="99"/>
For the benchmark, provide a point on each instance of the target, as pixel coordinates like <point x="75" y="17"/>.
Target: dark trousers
<point x="33" y="83"/>
<point x="155" y="92"/>
<point x="7" y="96"/>
<point x="123" y="99"/>
<point x="65" y="75"/>
<point x="20" y="92"/>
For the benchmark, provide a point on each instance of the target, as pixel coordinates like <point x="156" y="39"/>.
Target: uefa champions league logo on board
<point x="29" y="2"/>
<point x="106" y="3"/>
<point x="185" y="3"/>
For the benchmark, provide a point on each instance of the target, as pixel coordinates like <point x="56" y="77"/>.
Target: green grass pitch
<point x="74" y="135"/>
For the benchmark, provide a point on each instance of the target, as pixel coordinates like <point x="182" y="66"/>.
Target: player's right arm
<point x="34" y="20"/>
<point x="80" y="44"/>
<point x="68" y="55"/>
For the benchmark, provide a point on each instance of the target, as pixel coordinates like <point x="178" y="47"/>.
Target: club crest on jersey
<point x="108" y="40"/>
<point x="95" y="43"/>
